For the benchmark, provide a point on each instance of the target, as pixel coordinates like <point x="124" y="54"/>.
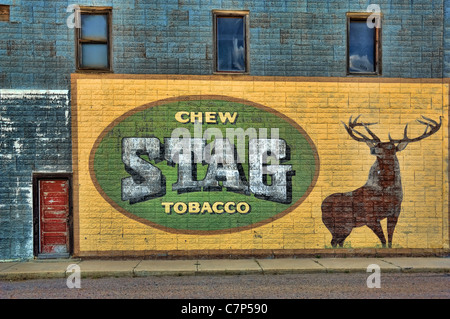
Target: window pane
<point x="4" y="12"/>
<point x="94" y="27"/>
<point x="94" y="56"/>
<point x="230" y="44"/>
<point x="361" y="47"/>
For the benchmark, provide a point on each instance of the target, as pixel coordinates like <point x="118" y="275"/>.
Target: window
<point x="4" y="12"/>
<point x="94" y="40"/>
<point x="363" y="45"/>
<point x="231" y="41"/>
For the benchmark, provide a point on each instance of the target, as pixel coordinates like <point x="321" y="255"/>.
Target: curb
<point x="40" y="269"/>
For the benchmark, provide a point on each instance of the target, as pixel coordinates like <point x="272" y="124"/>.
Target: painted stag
<point x="381" y="197"/>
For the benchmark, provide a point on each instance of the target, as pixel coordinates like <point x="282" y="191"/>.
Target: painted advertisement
<point x="249" y="165"/>
<point x="213" y="166"/>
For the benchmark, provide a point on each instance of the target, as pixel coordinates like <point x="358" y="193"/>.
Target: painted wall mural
<point x="381" y="196"/>
<point x="206" y="165"/>
<point x="208" y="168"/>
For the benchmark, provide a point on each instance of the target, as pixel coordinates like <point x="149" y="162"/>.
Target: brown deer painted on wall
<point x="381" y="197"/>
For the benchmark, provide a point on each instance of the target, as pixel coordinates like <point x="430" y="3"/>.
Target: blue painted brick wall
<point x="292" y="38"/>
<point x="34" y="137"/>
<point x="446" y="73"/>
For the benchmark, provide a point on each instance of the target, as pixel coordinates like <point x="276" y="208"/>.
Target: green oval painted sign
<point x="204" y="164"/>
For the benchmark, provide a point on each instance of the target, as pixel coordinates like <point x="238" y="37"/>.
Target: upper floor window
<point x="94" y="39"/>
<point x="4" y="12"/>
<point x="363" y="45"/>
<point x="231" y="41"/>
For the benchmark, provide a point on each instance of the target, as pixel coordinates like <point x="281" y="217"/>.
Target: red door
<point x="54" y="216"/>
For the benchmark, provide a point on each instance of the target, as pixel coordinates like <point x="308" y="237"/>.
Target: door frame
<point x="36" y="209"/>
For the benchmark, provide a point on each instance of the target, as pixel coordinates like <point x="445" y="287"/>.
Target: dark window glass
<point x="94" y="56"/>
<point x="362" y="47"/>
<point x="231" y="44"/>
<point x="94" y="27"/>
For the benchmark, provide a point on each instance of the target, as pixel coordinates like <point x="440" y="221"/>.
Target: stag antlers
<point x="351" y="130"/>
<point x="435" y="126"/>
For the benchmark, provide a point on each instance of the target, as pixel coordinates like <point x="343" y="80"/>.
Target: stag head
<point x="379" y="148"/>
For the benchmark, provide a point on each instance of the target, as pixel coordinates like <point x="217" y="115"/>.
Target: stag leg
<point x="378" y="230"/>
<point x="341" y="242"/>
<point x="340" y="236"/>
<point x="333" y="242"/>
<point x="391" y="223"/>
<point x="338" y="240"/>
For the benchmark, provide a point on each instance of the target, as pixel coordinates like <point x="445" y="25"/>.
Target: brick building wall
<point x="108" y="225"/>
<point x="287" y="38"/>
<point x="446" y="40"/>
<point x="34" y="137"/>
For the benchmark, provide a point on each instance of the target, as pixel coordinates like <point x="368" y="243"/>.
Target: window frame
<point x="5" y="13"/>
<point x="79" y="41"/>
<point x="363" y="16"/>
<point x="238" y="14"/>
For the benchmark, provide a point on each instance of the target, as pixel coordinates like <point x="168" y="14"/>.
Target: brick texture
<point x="319" y="108"/>
<point x="288" y="38"/>
<point x="446" y="73"/>
<point x="301" y="38"/>
<point x="34" y="137"/>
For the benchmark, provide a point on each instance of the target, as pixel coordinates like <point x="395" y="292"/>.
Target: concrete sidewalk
<point x="58" y="268"/>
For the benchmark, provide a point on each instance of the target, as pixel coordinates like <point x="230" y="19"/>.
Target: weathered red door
<point x="54" y="216"/>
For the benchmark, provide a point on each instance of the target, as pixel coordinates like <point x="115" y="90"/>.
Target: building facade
<point x="276" y="103"/>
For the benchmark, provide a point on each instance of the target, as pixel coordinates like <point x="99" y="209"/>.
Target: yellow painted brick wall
<point x="318" y="106"/>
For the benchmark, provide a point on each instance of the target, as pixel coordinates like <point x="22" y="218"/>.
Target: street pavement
<point x="90" y="268"/>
